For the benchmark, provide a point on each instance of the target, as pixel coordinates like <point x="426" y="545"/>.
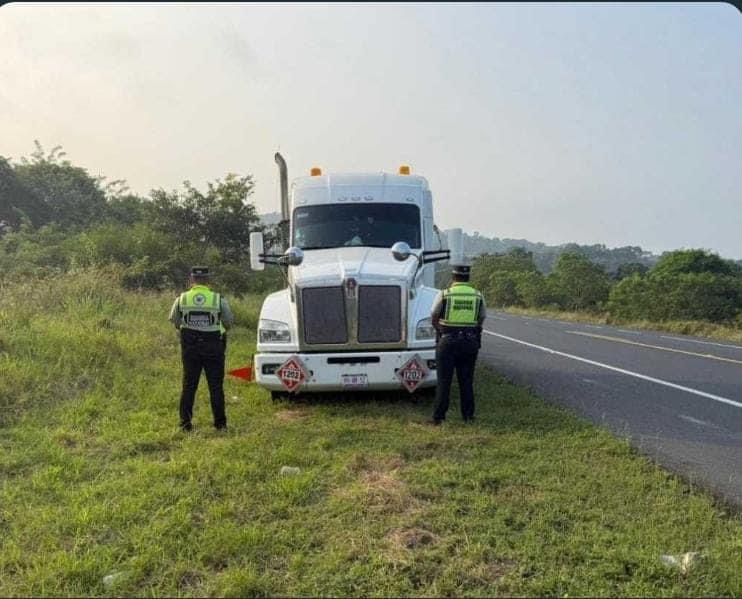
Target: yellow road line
<point x="671" y="349"/>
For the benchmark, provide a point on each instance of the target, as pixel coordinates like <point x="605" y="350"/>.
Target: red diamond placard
<point x="412" y="373"/>
<point x="292" y="373"/>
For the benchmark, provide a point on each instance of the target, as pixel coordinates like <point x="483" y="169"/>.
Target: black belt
<point x="194" y="335"/>
<point x="468" y="332"/>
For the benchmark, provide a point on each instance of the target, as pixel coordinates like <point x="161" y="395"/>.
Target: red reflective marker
<point x="244" y="373"/>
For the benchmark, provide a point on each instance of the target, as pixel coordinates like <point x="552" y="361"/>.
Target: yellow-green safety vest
<point x="200" y="308"/>
<point x="462" y="306"/>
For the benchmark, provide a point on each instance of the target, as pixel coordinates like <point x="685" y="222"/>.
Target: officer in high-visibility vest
<point x="202" y="317"/>
<point x="458" y="313"/>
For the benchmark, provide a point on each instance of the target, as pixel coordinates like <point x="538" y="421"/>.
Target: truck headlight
<point x="273" y="331"/>
<point x="424" y="329"/>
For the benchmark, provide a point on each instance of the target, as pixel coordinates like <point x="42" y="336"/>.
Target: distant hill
<point x="545" y="255"/>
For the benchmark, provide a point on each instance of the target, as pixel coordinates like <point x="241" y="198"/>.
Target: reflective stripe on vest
<point x="462" y="306"/>
<point x="200" y="309"/>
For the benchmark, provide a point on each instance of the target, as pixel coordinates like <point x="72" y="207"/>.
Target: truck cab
<point x="360" y="286"/>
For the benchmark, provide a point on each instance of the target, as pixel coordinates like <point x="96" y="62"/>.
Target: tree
<point x="502" y="290"/>
<point x="70" y="196"/>
<point x="578" y="283"/>
<point x="694" y="261"/>
<point x="532" y="289"/>
<point x="630" y="268"/>
<point x="222" y="217"/>
<point x="513" y="261"/>
<point x="126" y="209"/>
<point x="17" y="203"/>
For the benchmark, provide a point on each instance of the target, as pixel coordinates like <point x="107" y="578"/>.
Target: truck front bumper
<point x="326" y="370"/>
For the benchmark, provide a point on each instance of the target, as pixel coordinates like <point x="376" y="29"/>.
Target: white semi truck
<point x="360" y="272"/>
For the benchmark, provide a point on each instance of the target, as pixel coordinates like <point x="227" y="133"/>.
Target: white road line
<point x="704" y="342"/>
<point x="497" y="317"/>
<point x="651" y="379"/>
<point x="593" y="326"/>
<point x="694" y="420"/>
<point x="660" y="347"/>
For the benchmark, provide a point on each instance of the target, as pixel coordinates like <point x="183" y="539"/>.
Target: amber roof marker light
<point x="404" y="169"/>
<point x="315" y="172"/>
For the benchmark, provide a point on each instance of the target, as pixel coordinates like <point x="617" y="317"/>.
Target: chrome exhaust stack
<point x="283" y="175"/>
<point x="284" y="181"/>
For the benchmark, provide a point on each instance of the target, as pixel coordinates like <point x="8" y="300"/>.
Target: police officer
<point x="458" y="313"/>
<point x="202" y="317"/>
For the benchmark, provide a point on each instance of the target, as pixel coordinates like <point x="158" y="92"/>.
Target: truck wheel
<point x="279" y="395"/>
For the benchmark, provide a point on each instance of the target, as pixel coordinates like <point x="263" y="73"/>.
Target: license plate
<point x="355" y="380"/>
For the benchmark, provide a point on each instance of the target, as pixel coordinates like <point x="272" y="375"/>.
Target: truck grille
<point x="324" y="315"/>
<point x="379" y="314"/>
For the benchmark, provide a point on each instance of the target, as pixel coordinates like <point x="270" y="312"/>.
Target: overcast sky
<point x="596" y="123"/>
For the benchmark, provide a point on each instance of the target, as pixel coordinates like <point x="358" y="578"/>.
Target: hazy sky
<point x="605" y="123"/>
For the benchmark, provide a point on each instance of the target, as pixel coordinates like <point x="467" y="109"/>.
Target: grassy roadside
<point x="681" y="327"/>
<point x="96" y="480"/>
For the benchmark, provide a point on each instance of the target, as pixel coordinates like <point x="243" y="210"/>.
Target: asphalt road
<point x="677" y="398"/>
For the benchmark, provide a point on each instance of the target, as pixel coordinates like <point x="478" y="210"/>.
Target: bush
<point x="149" y="259"/>
<point x="684" y="296"/>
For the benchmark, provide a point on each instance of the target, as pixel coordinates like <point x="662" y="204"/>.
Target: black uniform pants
<point x="202" y="351"/>
<point x="457" y="352"/>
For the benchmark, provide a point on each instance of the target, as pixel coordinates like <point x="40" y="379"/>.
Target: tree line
<point x="691" y="284"/>
<point x="55" y="217"/>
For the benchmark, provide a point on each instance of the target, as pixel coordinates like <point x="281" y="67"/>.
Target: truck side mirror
<point x="401" y="251"/>
<point x="256" y="248"/>
<point x="294" y="256"/>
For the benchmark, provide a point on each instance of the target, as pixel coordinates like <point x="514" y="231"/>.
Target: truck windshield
<point x="342" y="225"/>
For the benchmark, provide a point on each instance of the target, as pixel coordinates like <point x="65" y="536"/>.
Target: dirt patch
<point x="524" y="493"/>
<point x="490" y="572"/>
<point x="363" y="464"/>
<point x="189" y="580"/>
<point x="150" y="446"/>
<point x="378" y="487"/>
<point x="292" y="415"/>
<point x="66" y="441"/>
<point x="411" y="538"/>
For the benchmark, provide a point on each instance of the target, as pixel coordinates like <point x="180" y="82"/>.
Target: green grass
<point x="682" y="327"/>
<point x="97" y="480"/>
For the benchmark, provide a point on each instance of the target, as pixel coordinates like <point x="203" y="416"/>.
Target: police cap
<point x="200" y="271"/>
<point x="461" y="269"/>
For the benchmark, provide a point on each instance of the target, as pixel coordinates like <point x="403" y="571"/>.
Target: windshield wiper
<point x="319" y="247"/>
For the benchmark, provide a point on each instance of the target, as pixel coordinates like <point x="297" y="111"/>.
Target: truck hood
<point x="332" y="266"/>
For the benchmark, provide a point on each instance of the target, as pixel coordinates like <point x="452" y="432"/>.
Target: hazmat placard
<point x="412" y="373"/>
<point x="292" y="374"/>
